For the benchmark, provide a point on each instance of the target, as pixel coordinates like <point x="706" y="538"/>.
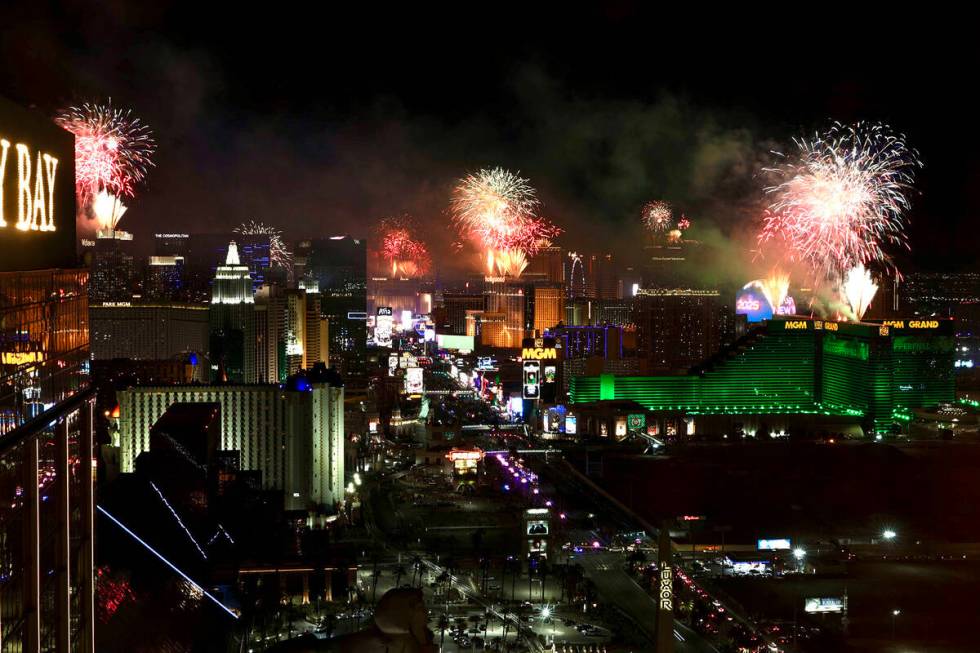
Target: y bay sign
<point x="37" y="191"/>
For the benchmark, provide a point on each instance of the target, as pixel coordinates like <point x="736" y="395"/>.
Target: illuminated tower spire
<point x="232" y="281"/>
<point x="232" y="258"/>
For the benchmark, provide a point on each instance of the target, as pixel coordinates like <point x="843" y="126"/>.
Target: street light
<point x="889" y="534"/>
<point x="895" y="614"/>
<point x="799" y="554"/>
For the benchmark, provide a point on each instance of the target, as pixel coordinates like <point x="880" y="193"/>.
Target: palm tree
<point x="417" y="569"/>
<point x="443" y="625"/>
<point x="375" y="575"/>
<point x="399" y="572"/>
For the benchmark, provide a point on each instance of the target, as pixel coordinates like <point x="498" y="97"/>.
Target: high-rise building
<point x="605" y="273"/>
<point x="544" y="307"/>
<point x="316" y="349"/>
<point x="799" y="371"/>
<point x="164" y="279"/>
<point x="680" y="327"/>
<point x="492" y="330"/>
<point x="113" y="269"/>
<point x="152" y="331"/>
<point x="270" y="335"/>
<point x="204" y="253"/>
<point x="294" y="435"/>
<point x="504" y="297"/>
<point x="306" y="330"/>
<point x="47" y="592"/>
<point x="339" y="265"/>
<point x="232" y="321"/>
<point x="398" y="294"/>
<point x="451" y="317"/>
<point x="547" y="265"/>
<point x="171" y="244"/>
<point x="944" y="294"/>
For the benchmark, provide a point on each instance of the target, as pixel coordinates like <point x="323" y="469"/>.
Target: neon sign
<point x="35" y="187"/>
<point x="539" y="353"/>
<point x="666" y="587"/>
<point x="912" y="324"/>
<point x="463" y="454"/>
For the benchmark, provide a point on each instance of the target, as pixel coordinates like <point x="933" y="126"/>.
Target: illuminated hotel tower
<point x="232" y="322"/>
<point x="232" y="281"/>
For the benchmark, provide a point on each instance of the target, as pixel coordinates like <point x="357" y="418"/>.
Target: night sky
<point x="321" y="121"/>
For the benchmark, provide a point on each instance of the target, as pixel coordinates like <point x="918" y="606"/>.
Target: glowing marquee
<point x="912" y="324"/>
<point x="35" y="186"/>
<point x="666" y="594"/>
<point x="539" y="353"/>
<point x="21" y="357"/>
<point x="465" y="454"/>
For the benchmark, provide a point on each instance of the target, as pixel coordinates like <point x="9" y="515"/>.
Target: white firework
<point x="279" y="255"/>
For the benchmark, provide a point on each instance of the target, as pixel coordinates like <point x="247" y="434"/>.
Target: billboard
<point x="532" y="380"/>
<point x="414" y="384"/>
<point x="750" y="302"/>
<point x="788" y="307"/>
<point x="823" y="604"/>
<point x="37" y="192"/>
<point x="781" y="544"/>
<point x="383" y="326"/>
<point x="460" y="343"/>
<point x="571" y="424"/>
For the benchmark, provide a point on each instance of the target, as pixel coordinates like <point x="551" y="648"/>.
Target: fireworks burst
<point x="658" y="216"/>
<point x="496" y="209"/>
<point x="113" y="149"/>
<point x="279" y="254"/>
<point x="407" y="255"/>
<point x="841" y="200"/>
<point x="857" y="290"/>
<point x="775" y="287"/>
<point x="108" y="210"/>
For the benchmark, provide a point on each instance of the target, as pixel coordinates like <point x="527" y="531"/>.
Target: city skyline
<point x="597" y="146"/>
<point x="486" y="328"/>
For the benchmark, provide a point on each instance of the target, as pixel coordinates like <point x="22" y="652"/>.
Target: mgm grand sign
<point x="540" y="349"/>
<point x="37" y="192"/>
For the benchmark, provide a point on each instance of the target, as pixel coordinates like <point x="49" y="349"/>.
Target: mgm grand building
<point x="792" y="375"/>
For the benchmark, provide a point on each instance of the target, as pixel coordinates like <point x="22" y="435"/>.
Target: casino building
<point x="47" y="509"/>
<point x="872" y="375"/>
<point x="292" y="434"/>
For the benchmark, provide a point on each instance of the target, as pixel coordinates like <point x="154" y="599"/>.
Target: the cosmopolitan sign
<point x="37" y="191"/>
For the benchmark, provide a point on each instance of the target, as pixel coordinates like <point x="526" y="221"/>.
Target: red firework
<point x="401" y="249"/>
<point x="113" y="149"/>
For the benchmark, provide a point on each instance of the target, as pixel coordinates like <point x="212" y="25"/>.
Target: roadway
<point x="616" y="587"/>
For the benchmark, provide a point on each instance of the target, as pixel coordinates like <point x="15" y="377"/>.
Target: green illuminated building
<point x="874" y="373"/>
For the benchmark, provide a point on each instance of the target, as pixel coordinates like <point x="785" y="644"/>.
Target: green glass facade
<point x="799" y="366"/>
